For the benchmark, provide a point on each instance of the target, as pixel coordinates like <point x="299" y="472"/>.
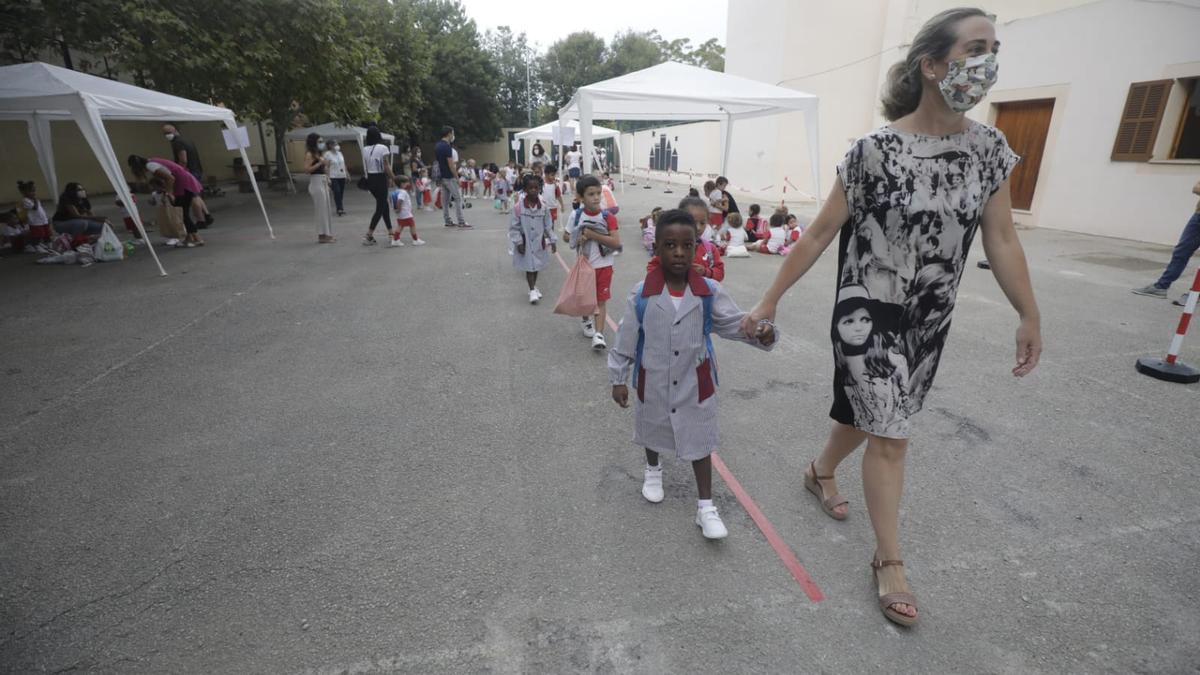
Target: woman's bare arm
<point x="1003" y="250"/>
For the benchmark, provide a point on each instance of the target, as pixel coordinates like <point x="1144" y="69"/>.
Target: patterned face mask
<point x="968" y="81"/>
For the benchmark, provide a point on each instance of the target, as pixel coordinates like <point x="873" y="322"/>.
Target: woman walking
<point x="335" y="165"/>
<point x="896" y="288"/>
<point x="378" y="158"/>
<point x="318" y="186"/>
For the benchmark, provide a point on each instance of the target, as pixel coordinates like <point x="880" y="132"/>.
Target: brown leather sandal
<point x="828" y="504"/>
<point x="900" y="598"/>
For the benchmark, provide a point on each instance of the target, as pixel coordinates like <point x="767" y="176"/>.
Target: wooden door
<point x="1026" y="124"/>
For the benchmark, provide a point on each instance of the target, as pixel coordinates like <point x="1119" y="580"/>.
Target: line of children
<point x="530" y="233"/>
<point x="402" y="204"/>
<point x="664" y="344"/>
<point x="593" y="232"/>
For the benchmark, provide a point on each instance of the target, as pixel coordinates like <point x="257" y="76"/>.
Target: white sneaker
<point x="598" y="342"/>
<point x="418" y="242"/>
<point x="589" y="328"/>
<point x="396" y="243"/>
<point x="538" y="291"/>
<point x="652" y="488"/>
<point x="710" y="523"/>
<point x="533" y="297"/>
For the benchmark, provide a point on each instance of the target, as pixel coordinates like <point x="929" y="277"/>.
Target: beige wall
<point x="841" y="52"/>
<point x="74" y="161"/>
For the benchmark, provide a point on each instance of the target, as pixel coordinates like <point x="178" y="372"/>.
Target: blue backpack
<point x="640" y="307"/>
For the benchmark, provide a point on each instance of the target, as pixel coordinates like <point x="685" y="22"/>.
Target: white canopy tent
<point x="39" y="93"/>
<point x="674" y="91"/>
<point x="547" y="131"/>
<point x="333" y="132"/>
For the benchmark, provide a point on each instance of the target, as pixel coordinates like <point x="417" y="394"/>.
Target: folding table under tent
<point x="39" y="93"/>
<point x="679" y="92"/>
<point x="547" y="131"/>
<point x="334" y="132"/>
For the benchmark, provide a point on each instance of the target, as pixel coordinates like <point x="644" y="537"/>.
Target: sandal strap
<point x="813" y="466"/>
<point x="880" y="564"/>
<point x="902" y="598"/>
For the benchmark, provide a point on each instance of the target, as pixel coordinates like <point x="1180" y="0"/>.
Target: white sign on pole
<point x="236" y="138"/>
<point x="568" y="136"/>
<point x="395" y="149"/>
<point x="516" y="145"/>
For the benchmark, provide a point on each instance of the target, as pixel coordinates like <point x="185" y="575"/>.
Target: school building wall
<point x="1085" y="54"/>
<point x="74" y="160"/>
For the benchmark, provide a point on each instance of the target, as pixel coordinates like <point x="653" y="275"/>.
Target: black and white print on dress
<point x="915" y="204"/>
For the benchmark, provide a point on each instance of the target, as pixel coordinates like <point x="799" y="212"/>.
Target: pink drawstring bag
<point x="578" y="294"/>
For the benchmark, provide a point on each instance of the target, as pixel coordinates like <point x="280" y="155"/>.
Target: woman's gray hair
<point x="902" y="90"/>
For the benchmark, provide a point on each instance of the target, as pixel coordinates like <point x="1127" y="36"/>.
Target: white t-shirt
<point x="376" y="157"/>
<point x="337" y="164"/>
<point x="714" y="198"/>
<point x="550" y="195"/>
<point x="778" y="239"/>
<point x="737" y="236"/>
<point x="574" y="159"/>
<point x="402" y="202"/>
<point x="34" y="212"/>
<point x="707" y="234"/>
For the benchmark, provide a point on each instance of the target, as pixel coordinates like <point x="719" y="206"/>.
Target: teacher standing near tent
<point x="447" y="163"/>
<point x="900" y="259"/>
<point x="316" y="166"/>
<point x="180" y="186"/>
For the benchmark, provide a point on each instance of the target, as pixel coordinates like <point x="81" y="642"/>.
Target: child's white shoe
<point x="539" y="292"/>
<point x="652" y="486"/>
<point x="396" y="243"/>
<point x="598" y="342"/>
<point x="418" y="242"/>
<point x="533" y="296"/>
<point x="589" y="328"/>
<point x="710" y="523"/>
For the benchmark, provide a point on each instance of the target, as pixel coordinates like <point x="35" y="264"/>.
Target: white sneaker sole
<point x="720" y="535"/>
<point x="651" y="497"/>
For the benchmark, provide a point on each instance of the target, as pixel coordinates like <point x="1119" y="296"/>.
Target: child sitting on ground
<point x="675" y="407"/>
<point x="402" y="204"/>
<point x="13" y="234"/>
<point x="733" y="238"/>
<point x="593" y="233"/>
<point x="778" y="237"/>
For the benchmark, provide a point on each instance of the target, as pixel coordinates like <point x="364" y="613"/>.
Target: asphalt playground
<point x="291" y="457"/>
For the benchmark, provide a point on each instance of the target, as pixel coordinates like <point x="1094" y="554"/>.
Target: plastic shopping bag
<point x="108" y="247"/>
<point x="578" y="295"/>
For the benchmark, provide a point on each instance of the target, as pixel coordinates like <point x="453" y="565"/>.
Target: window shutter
<point x="1140" y="120"/>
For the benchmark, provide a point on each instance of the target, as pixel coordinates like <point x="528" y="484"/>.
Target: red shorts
<point x="487" y="185"/>
<point x="39" y="232"/>
<point x="604" y="283"/>
<point x="427" y="196"/>
<point x="406" y="222"/>
<point x="462" y="184"/>
<point x="717" y="219"/>
<point x="554" y="215"/>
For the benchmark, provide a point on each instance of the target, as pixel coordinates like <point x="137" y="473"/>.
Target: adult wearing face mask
<point x="74" y="215"/>
<point x="315" y="165"/>
<point x="335" y="165"/>
<point x="930" y="170"/>
<point x="183" y="152"/>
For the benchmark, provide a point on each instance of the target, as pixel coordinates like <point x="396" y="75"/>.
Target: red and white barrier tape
<point x="1189" y="309"/>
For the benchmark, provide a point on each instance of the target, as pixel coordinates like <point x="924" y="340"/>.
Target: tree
<point x="519" y="89"/>
<point x="709" y="54"/>
<point x="576" y="60"/>
<point x="404" y="58"/>
<point x="462" y="90"/>
<point x="632" y="51"/>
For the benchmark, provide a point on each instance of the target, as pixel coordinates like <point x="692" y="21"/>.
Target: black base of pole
<point x="1168" y="372"/>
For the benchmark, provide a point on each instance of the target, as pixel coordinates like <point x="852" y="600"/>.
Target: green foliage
<point x="632" y="51"/>
<point x="517" y="80"/>
<point x="461" y="91"/>
<point x="578" y="59"/>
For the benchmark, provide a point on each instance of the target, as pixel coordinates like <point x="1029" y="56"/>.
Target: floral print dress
<point x="915" y="204"/>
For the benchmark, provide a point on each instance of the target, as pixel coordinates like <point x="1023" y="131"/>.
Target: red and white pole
<point x="1171" y="368"/>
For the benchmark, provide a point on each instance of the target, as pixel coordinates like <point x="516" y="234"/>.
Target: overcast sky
<point x="697" y="20"/>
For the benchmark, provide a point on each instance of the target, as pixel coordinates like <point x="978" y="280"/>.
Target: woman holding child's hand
<point x="890" y="321"/>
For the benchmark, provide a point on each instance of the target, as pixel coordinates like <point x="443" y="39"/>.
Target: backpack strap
<point x="640" y="310"/>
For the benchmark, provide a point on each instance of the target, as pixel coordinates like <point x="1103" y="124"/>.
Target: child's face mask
<point x="968" y="80"/>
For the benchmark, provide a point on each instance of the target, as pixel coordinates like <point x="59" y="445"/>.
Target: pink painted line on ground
<point x="785" y="553"/>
